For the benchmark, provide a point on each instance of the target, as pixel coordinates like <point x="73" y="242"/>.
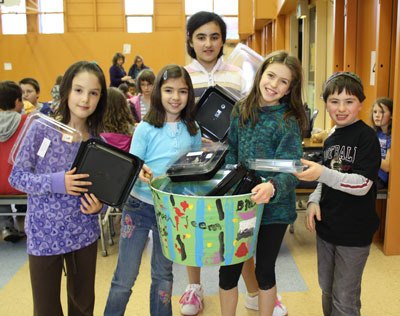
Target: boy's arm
<point x="352" y="183"/>
<point x="315" y="197"/>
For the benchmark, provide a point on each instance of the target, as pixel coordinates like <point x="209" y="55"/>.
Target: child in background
<point x="167" y="130"/>
<point x="206" y="36"/>
<point x="31" y="92"/>
<point x="267" y="124"/>
<point x="382" y="123"/>
<point x="132" y="88"/>
<point x="342" y="207"/>
<point x="11" y="122"/>
<point x="142" y="101"/>
<point x="55" y="94"/>
<point x="117" y="121"/>
<point x="60" y="226"/>
<point x="123" y="87"/>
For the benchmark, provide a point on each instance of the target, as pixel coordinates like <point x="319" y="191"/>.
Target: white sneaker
<point x="192" y="300"/>
<point x="251" y="302"/>
<point x="279" y="309"/>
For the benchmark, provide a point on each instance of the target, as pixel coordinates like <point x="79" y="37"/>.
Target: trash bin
<point x="199" y="230"/>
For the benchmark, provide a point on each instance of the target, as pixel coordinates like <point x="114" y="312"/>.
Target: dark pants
<point x="268" y="244"/>
<point x="46" y="272"/>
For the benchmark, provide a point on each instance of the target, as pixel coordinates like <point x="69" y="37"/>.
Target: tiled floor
<point x="296" y="271"/>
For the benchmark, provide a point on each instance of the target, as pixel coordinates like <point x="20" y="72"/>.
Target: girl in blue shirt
<point x="166" y="130"/>
<point x="382" y="123"/>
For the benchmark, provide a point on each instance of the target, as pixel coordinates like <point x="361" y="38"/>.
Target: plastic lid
<point x="52" y="130"/>
<point x="248" y="60"/>
<point x="276" y="165"/>
<point x="199" y="161"/>
<point x="214" y="111"/>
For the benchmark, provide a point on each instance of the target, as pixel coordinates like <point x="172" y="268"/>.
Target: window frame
<point x="144" y="14"/>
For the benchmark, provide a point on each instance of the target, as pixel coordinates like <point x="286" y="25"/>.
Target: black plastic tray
<point x="197" y="172"/>
<point x="240" y="178"/>
<point x="112" y="171"/>
<point x="213" y="112"/>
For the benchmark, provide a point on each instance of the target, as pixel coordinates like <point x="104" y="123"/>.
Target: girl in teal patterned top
<point x="267" y="124"/>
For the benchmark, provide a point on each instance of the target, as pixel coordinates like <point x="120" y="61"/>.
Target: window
<point x="51" y="16"/>
<point x="139" y="16"/>
<point x="13" y="18"/>
<point x="228" y="10"/>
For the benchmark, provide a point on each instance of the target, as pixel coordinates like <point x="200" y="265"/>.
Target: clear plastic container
<point x="248" y="60"/>
<point x="276" y="165"/>
<point x="198" y="164"/>
<point x="50" y="131"/>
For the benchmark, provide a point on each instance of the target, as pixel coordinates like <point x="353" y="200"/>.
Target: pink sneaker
<point x="279" y="309"/>
<point x="192" y="300"/>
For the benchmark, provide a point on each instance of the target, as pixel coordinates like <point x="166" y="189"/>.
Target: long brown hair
<point x="117" y="117"/>
<point x="156" y="114"/>
<point x="389" y="104"/>
<point x="63" y="114"/>
<point x="249" y="107"/>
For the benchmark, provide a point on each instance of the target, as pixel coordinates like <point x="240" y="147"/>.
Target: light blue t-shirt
<point x="158" y="148"/>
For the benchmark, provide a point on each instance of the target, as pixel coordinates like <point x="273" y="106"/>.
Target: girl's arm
<point x="74" y="184"/>
<point x="25" y="176"/>
<point x="290" y="147"/>
<point x="385" y="162"/>
<point x="90" y="204"/>
<point x="232" y="156"/>
<point x="278" y="185"/>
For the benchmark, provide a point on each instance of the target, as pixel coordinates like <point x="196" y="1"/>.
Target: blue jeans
<point x="138" y="218"/>
<point x="340" y="272"/>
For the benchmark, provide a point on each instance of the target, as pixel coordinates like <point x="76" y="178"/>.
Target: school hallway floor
<point x="296" y="280"/>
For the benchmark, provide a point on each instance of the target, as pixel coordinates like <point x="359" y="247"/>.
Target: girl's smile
<point x="84" y="96"/>
<point x="174" y="97"/>
<point x="274" y="84"/>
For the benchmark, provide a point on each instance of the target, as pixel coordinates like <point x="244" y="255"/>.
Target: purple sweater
<point x="54" y="223"/>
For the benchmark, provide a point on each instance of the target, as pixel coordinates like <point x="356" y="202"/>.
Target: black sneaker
<point x="12" y="235"/>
